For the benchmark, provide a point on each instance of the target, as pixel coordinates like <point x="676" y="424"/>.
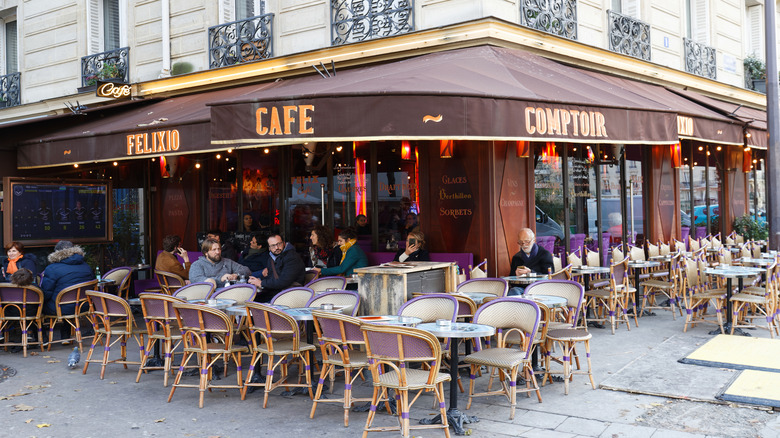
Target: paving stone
<point x="675" y="434"/>
<point x="546" y="433"/>
<point x="540" y="419"/>
<point x="620" y="430"/>
<point x="582" y="426"/>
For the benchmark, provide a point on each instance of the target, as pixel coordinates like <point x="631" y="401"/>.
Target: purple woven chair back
<point x="108" y="305"/>
<point x="278" y="323"/>
<point x="202" y="318"/>
<point x="493" y="286"/>
<point x="331" y="324"/>
<point x="431" y="307"/>
<point x="347" y="298"/>
<point x="15" y="294"/>
<point x="293" y="297"/>
<point x="75" y="293"/>
<point x="417" y="345"/>
<point x="239" y="292"/>
<point x="571" y="290"/>
<point x="324" y="283"/>
<point x="159" y="306"/>
<point x="619" y="272"/>
<point x="195" y="291"/>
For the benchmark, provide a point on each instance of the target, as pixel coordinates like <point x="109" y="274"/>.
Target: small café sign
<point x="113" y="90"/>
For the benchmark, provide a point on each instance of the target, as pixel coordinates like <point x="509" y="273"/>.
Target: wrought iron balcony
<point x="361" y="20"/>
<point x="700" y="59"/>
<point x="241" y="41"/>
<point x="558" y="17"/>
<point x="629" y="36"/>
<point x="112" y="66"/>
<point x="10" y="90"/>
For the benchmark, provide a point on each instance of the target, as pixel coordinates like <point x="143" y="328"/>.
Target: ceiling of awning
<point x="480" y="92"/>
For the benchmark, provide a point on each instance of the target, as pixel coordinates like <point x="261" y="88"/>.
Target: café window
<point x="221" y="183"/>
<point x="757" y="186"/>
<point x="260" y="190"/>
<point x="702" y="201"/>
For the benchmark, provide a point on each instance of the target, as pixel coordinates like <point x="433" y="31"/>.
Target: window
<point x="11" y="48"/>
<point x="106" y="25"/>
<point x="699" y="21"/>
<point x="234" y="10"/>
<point x="755" y="31"/>
<point x="626" y="7"/>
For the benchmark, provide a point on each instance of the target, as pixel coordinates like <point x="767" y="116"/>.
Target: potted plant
<point x="750" y="228"/>
<point x="755" y="73"/>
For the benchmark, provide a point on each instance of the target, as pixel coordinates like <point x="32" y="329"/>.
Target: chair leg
<point x="472" y="379"/>
<point x="269" y="378"/>
<point x="590" y="369"/>
<point x="513" y="392"/>
<point x="443" y="410"/>
<point x="326" y="369"/>
<point x="566" y="367"/>
<point x="372" y="411"/>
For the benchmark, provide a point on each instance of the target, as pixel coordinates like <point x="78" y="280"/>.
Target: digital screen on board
<point x="48" y="212"/>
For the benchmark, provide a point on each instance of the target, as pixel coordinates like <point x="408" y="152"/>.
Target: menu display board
<point x="42" y="212"/>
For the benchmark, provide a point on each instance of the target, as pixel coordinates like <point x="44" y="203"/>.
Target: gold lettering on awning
<point x="153" y="142"/>
<point x="273" y="120"/>
<point x="559" y="122"/>
<point x="684" y="125"/>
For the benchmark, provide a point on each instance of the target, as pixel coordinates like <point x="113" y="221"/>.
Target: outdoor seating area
<point x="317" y="340"/>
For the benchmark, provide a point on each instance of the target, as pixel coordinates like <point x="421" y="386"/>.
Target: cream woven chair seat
<point x="284" y="346"/>
<point x="415" y="379"/>
<point x="497" y="357"/>
<point x="357" y="359"/>
<point x="568" y="333"/>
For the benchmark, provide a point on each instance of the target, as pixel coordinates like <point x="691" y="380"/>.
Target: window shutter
<point x="701" y="21"/>
<point x="630" y="8"/>
<point x="227" y="11"/>
<point x="245" y="9"/>
<point x="756" y="30"/>
<point x="110" y="24"/>
<point x="93" y="25"/>
<point x="11" y="48"/>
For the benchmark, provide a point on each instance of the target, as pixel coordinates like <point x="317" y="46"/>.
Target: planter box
<point x="759" y="85"/>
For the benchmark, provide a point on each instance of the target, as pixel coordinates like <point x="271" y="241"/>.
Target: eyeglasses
<point x="276" y="245"/>
<point x="525" y="242"/>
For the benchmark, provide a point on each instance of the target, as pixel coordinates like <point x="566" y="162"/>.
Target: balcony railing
<point x="558" y="17"/>
<point x="112" y="66"/>
<point x="629" y="36"/>
<point x="10" y="90"/>
<point x="241" y="41"/>
<point x="700" y="59"/>
<point x="361" y="20"/>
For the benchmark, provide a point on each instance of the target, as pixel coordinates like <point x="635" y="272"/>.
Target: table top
<point x="304" y="313"/>
<point x="240" y="310"/>
<point x="391" y="320"/>
<point x="733" y="271"/>
<point x="759" y="262"/>
<point x="134" y="301"/>
<point x="590" y="269"/>
<point x="550" y="301"/>
<point x="141" y="267"/>
<point x="477" y="297"/>
<point x="458" y="330"/>
<point x="106" y="281"/>
<point x="403" y="268"/>
<point x="525" y="279"/>
<point x="219" y="304"/>
<point x="662" y="258"/>
<point x="769" y="255"/>
<point x="643" y="264"/>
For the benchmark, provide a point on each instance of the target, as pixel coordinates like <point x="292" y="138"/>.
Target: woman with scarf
<point x="351" y="255"/>
<point x="322" y="253"/>
<point x="16" y="260"/>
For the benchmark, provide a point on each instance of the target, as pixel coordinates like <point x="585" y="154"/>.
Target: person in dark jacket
<point x="351" y="255"/>
<point x="256" y="256"/>
<point x="530" y="258"/>
<point x="285" y="269"/>
<point x="67" y="267"/>
<point x="322" y="252"/>
<point x="415" y="249"/>
<point x="17" y="260"/>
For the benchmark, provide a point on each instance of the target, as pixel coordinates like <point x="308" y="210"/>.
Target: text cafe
<point x="468" y="169"/>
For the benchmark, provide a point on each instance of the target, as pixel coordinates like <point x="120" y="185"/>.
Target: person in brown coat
<point x="167" y="260"/>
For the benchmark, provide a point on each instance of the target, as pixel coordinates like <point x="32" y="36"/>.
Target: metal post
<point x="773" y="124"/>
<point x="322" y="203"/>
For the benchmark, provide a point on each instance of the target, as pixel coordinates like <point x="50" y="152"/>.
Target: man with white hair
<point x="530" y="258"/>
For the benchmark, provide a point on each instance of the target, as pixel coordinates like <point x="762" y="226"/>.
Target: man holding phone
<point x="167" y="260"/>
<point x="414" y="251"/>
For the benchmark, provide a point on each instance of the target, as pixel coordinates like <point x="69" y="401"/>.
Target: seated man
<point x="530" y="258"/>
<point x="284" y="270"/>
<point x="167" y="260"/>
<point x="255" y="257"/>
<point x="213" y="268"/>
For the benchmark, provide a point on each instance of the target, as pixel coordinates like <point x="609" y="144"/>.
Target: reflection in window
<point x="260" y="181"/>
<point x="222" y="197"/>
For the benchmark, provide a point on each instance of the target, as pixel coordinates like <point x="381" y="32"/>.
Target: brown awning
<point x="694" y="121"/>
<point x="755" y="119"/>
<point x="473" y="93"/>
<point x="176" y="125"/>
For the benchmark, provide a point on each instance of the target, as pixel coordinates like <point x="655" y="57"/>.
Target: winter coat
<point x="26" y="262"/>
<point x="67" y="267"/>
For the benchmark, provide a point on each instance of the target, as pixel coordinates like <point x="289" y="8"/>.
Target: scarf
<point x="12" y="265"/>
<point x="345" y="247"/>
<point x="525" y="257"/>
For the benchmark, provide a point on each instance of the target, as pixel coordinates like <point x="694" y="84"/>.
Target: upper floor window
<point x="626" y="7"/>
<point x="233" y="10"/>
<point x="106" y="25"/>
<point x="698" y="26"/>
<point x="754" y="29"/>
<point x="11" y="51"/>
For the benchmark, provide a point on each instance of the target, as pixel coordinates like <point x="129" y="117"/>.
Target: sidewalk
<point x="45" y="392"/>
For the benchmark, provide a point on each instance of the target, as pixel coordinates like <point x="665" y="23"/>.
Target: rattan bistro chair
<point x="341" y="343"/>
<point x="494" y="286"/>
<point x="122" y="276"/>
<point x="169" y="282"/>
<point x="242" y="293"/>
<point x="510" y="315"/>
<point x="162" y="327"/>
<point x="391" y="351"/>
<point x="20" y="306"/>
<point x="347" y="298"/>
<point x="275" y="334"/>
<point x="611" y="302"/>
<point x="293" y="297"/>
<point x="72" y="305"/>
<point x="114" y="324"/>
<point x="198" y="324"/>
<point x="322" y="284"/>
<point x="195" y="291"/>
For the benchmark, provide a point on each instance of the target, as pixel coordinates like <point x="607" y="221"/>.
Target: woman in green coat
<point x="352" y="256"/>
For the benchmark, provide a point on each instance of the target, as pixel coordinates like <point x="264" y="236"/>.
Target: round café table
<point x="407" y="321"/>
<point x="455" y="331"/>
<point x="525" y="279"/>
<point x="730" y="273"/>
